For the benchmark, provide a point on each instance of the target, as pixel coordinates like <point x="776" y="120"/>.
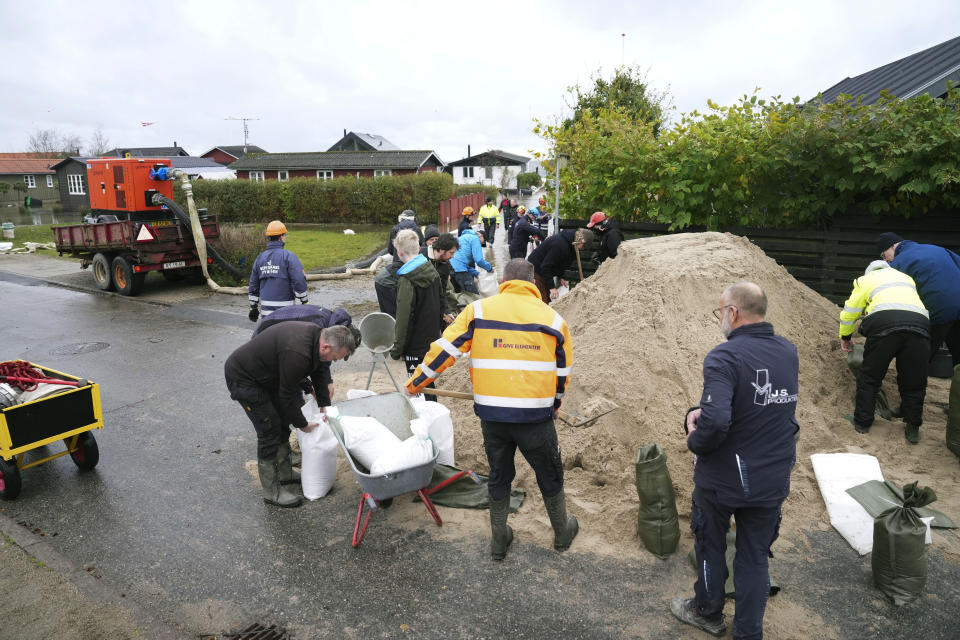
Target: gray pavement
<point x="172" y="520"/>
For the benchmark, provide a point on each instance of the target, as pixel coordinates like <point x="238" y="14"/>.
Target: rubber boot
<point x="273" y="491"/>
<point x="565" y="527"/>
<point x="912" y="433"/>
<point x="285" y="471"/>
<point x="502" y="533"/>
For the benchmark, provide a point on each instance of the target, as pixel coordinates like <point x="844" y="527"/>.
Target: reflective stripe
<point x="900" y="306"/>
<point x="300" y="294"/>
<point x="852" y="309"/>
<point x="559" y="396"/>
<point x="477" y="310"/>
<point x="427" y="371"/>
<point x="253" y="298"/>
<point x="516" y="403"/>
<point x="847" y="323"/>
<point x="276" y="303"/>
<point x="557" y="322"/>
<point x="517" y="365"/>
<point x="448" y="347"/>
<point x="563" y="372"/>
<point x="890" y="285"/>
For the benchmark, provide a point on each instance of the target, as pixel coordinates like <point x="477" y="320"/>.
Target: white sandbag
<point x="367" y="439"/>
<point x="412" y="452"/>
<point x="837" y="472"/>
<point x="318" y="469"/>
<point x="356" y="394"/>
<point x="434" y="420"/>
<point x="487" y="284"/>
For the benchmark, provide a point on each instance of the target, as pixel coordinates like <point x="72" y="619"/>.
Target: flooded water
<point x="37" y="216"/>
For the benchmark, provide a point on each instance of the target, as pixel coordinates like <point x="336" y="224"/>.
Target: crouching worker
<point x="264" y="376"/>
<point x="520" y="357"/>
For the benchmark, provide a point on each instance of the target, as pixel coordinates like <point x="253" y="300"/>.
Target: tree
<point x="527" y="180"/>
<point x="99" y="144"/>
<point x="52" y="141"/>
<point x="628" y="92"/>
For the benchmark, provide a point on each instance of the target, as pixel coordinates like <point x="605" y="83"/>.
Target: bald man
<point x="742" y="435"/>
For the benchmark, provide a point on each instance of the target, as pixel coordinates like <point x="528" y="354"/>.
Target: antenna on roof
<point x="246" y="130"/>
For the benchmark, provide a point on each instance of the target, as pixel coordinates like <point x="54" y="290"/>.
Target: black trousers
<point x="949" y="333"/>
<point x="411" y="362"/>
<point x="757" y="528"/>
<point x="912" y="352"/>
<point x="537" y="442"/>
<point x="489" y="228"/>
<point x="261" y="406"/>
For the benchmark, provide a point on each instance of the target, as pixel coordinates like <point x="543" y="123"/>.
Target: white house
<point x="494" y="168"/>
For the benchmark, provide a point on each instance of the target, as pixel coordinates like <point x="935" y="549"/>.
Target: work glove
<point x="254" y="314"/>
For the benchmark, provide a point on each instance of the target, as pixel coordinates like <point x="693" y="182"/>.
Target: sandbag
<point x="412" y="452"/>
<point x="953" y="415"/>
<point x="657" y="523"/>
<point x="882" y="405"/>
<point x="487" y="284"/>
<point x="899" y="559"/>
<point x="367" y="438"/>
<point x="434" y="420"/>
<point x="318" y="468"/>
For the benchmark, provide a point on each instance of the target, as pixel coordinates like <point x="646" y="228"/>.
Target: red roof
<point x="25" y="165"/>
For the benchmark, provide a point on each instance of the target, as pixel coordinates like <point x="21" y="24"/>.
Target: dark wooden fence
<point x="451" y="210"/>
<point x="827" y="261"/>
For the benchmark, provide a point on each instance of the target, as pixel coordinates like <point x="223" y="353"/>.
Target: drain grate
<point x="78" y="348"/>
<point x="257" y="631"/>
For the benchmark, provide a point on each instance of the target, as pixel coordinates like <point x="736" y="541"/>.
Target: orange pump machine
<point x="125" y="187"/>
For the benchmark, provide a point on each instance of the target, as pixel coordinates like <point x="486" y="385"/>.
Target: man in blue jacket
<point x="277" y="277"/>
<point x="937" y="273"/>
<point x="466" y="259"/>
<point x="742" y="435"/>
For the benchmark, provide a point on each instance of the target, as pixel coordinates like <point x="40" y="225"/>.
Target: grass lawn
<point x="318" y="249"/>
<point x="34" y="233"/>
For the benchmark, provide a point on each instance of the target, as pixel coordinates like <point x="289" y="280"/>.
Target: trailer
<point x="127" y="235"/>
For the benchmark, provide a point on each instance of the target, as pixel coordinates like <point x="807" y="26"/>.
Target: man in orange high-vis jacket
<point x="520" y="358"/>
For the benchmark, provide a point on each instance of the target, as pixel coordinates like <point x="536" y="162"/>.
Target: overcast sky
<point x="425" y="75"/>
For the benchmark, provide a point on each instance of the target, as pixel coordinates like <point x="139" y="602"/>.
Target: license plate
<point x="175" y="265"/>
<point x="161" y="223"/>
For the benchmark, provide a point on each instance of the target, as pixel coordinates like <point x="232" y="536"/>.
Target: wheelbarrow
<point x="395" y="412"/>
<point x="68" y="416"/>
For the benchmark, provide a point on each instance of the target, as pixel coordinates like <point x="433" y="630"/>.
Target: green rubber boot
<point x="502" y="533"/>
<point x="273" y="491"/>
<point x="565" y="527"/>
<point x="285" y="470"/>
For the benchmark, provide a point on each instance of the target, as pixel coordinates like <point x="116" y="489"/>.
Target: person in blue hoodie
<point x="937" y="273"/>
<point x="743" y="439"/>
<point x="466" y="259"/>
<point x="277" y="278"/>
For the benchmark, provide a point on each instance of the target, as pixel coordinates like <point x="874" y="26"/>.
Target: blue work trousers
<point x="757" y="528"/>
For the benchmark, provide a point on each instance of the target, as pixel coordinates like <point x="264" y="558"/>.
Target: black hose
<point x="185" y="219"/>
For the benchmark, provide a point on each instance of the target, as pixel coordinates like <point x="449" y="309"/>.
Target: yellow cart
<point x="68" y="416"/>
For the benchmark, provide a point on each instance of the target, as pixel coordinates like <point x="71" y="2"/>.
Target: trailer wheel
<point x="125" y="280"/>
<point x="9" y="479"/>
<point x="101" y="272"/>
<point x="87" y="454"/>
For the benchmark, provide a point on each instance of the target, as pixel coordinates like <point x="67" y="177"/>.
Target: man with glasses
<point x="742" y="435"/>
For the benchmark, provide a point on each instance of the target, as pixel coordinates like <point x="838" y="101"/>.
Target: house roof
<point x="145" y="152"/>
<point x="26" y="165"/>
<point x="336" y="160"/>
<point x="927" y="71"/>
<point x="190" y="162"/>
<point x="493" y="157"/>
<point x="363" y="142"/>
<point x="236" y="150"/>
<point x="79" y="159"/>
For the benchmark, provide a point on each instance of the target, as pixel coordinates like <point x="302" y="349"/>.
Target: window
<point x="324" y="175"/>
<point x="50" y="181"/>
<point x="468" y="172"/>
<point x="75" y="184"/>
<point x="488" y="173"/>
<point x="256" y="176"/>
<point x="31" y="183"/>
<point x="283" y="176"/>
<point x="379" y="173"/>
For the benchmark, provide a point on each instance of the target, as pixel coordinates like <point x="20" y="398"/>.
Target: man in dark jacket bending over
<point x="264" y="376"/>
<point x="554" y="256"/>
<point x="742" y="435"/>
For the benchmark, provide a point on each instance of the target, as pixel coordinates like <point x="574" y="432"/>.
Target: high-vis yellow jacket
<point x="884" y="289"/>
<point x="520" y="355"/>
<point x="489" y="213"/>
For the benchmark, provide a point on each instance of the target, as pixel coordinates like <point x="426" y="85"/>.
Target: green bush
<point x="342" y="200"/>
<point x="529" y="179"/>
<point x="57" y="208"/>
<point x="467" y="189"/>
<point x="239" y="245"/>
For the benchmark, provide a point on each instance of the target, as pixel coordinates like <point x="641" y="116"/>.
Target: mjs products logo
<point x="498" y="343"/>
<point x="766" y="394"/>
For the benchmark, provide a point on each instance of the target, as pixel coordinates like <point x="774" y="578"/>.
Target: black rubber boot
<point x="912" y="433"/>
<point x="273" y="491"/>
<point x="502" y="533"/>
<point x="285" y="471"/>
<point x="565" y="527"/>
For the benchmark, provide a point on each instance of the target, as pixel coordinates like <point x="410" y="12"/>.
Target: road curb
<point x="90" y="586"/>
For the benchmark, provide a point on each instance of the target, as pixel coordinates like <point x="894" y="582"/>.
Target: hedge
<point x="467" y="189"/>
<point x="343" y="200"/>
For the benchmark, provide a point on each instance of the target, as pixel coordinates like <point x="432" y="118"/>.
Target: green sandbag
<point x="882" y="405"/>
<point x="657" y="523"/>
<point x="953" y="416"/>
<point x="899" y="558"/>
<point x="728" y="589"/>
<point x="465" y="493"/>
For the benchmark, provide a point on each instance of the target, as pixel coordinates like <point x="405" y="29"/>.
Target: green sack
<point x="728" y="589"/>
<point x="465" y="493"/>
<point x="882" y="405"/>
<point x="953" y="415"/>
<point x="657" y="523"/>
<point x="899" y="558"/>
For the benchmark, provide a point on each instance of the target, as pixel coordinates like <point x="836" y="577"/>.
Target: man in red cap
<point x="609" y="236"/>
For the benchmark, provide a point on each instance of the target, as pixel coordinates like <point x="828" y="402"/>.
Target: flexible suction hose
<point x="185" y="219"/>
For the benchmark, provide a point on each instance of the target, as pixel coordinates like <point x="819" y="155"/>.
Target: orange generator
<point x="125" y="187"/>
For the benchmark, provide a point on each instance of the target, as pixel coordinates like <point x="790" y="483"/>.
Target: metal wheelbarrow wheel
<point x="86" y="455"/>
<point x="10" y="484"/>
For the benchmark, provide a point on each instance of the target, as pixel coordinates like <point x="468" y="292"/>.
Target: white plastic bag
<point x="434" y="421"/>
<point x="412" y="452"/>
<point x="355" y="394"/>
<point x="487" y="283"/>
<point x="318" y="470"/>
<point x="367" y="439"/>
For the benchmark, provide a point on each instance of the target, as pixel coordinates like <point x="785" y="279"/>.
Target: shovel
<point x="574" y="420"/>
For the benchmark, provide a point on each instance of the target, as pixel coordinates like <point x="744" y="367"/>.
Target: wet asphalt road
<point x="171" y="518"/>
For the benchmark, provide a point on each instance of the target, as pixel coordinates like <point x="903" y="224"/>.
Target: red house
<point x="227" y="154"/>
